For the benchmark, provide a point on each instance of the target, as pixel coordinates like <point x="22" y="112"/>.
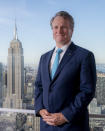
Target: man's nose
<point x="60" y="30"/>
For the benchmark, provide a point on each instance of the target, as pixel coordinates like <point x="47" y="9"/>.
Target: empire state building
<point x="15" y="74"/>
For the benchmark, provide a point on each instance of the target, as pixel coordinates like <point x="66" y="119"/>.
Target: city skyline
<point x="34" y="31"/>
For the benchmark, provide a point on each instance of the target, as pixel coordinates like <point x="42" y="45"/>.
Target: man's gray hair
<point x="65" y="15"/>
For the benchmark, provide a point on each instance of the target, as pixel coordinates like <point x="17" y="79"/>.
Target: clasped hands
<point x="53" y="119"/>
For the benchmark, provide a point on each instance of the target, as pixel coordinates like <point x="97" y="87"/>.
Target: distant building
<point x="15" y="74"/>
<point x="100" y="89"/>
<point x="1" y="83"/>
<point x="93" y="108"/>
<point x="4" y="91"/>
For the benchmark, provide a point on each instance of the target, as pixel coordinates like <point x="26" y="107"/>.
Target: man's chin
<point x="61" y="42"/>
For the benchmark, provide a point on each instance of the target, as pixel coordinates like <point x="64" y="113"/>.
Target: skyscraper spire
<point x="15" y="32"/>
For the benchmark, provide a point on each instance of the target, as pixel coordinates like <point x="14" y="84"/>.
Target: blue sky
<point x="33" y="18"/>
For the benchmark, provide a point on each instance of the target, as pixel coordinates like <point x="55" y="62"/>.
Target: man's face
<point x="61" y="30"/>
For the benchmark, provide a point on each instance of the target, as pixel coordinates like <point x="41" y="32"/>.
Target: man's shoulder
<point x="83" y="53"/>
<point x="82" y="50"/>
<point x="47" y="53"/>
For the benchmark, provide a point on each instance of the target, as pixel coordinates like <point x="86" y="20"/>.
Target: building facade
<point x="1" y="83"/>
<point x="100" y="89"/>
<point x="15" y="74"/>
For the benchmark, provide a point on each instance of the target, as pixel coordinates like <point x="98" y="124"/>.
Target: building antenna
<point x="15" y="31"/>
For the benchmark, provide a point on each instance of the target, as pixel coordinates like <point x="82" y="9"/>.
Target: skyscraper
<point x="15" y="74"/>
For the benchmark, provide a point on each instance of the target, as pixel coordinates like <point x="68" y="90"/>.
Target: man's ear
<point x="71" y="32"/>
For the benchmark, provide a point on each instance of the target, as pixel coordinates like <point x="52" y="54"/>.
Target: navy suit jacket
<point x="71" y="89"/>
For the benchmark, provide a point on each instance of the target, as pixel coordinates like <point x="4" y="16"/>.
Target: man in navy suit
<point x="66" y="81"/>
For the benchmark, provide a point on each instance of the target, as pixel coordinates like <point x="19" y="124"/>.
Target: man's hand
<point x="44" y="113"/>
<point x="54" y="119"/>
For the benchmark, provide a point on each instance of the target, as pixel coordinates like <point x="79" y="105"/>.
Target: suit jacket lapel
<point x="48" y="64"/>
<point x="67" y="56"/>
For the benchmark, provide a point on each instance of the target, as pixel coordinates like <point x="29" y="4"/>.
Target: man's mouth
<point x="60" y="35"/>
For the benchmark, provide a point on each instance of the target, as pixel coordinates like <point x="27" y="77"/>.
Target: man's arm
<point x="87" y="89"/>
<point x="39" y="107"/>
<point x="51" y="119"/>
<point x="38" y="91"/>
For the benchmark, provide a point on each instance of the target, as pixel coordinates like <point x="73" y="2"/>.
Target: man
<point x="63" y="92"/>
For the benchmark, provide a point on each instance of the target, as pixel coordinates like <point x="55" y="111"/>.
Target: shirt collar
<point x="64" y="48"/>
